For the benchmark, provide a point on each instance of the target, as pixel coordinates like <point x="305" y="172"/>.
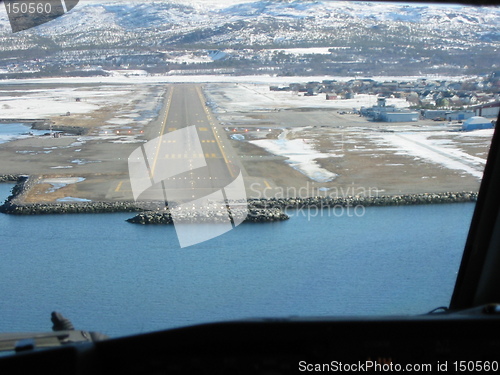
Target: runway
<point x="187" y="159"/>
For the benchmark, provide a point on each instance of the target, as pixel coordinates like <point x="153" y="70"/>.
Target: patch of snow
<point x="58" y="183"/>
<point x="254" y="97"/>
<point x="128" y="72"/>
<point x="119" y="121"/>
<point x="262" y="79"/>
<point x="37" y="103"/>
<point x="301" y="156"/>
<point x="486" y="133"/>
<point x="130" y="139"/>
<point x="238" y="137"/>
<point x="62" y="167"/>
<point x="83" y="162"/>
<point x="73" y="199"/>
<point x="420" y="146"/>
<point x="305" y="51"/>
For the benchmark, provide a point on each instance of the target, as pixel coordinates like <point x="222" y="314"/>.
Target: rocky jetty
<point x="256" y="210"/>
<point x="76" y="130"/>
<point x="10" y="178"/>
<point x="255" y="215"/>
<point x="274" y="209"/>
<point x="382" y="200"/>
<point x="69" y="208"/>
<point x="15" y="204"/>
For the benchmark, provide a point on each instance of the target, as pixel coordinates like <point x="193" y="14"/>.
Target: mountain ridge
<point x="432" y="36"/>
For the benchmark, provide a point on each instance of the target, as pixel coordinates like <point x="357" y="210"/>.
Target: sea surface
<point x="118" y="278"/>
<point x="10" y="132"/>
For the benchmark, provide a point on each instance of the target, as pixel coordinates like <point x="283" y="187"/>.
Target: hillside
<point x="278" y="37"/>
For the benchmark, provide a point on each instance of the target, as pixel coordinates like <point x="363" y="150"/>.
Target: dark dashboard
<point x="462" y="342"/>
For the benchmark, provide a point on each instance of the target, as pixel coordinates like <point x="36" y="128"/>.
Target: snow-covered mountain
<point x="361" y="34"/>
<point x="152" y="17"/>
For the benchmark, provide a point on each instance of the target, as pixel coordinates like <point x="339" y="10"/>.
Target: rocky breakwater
<point x="49" y="126"/>
<point x="382" y="200"/>
<point x="254" y="210"/>
<point x="15" y="204"/>
<point x="69" y="208"/>
<point x="253" y="214"/>
<point x="275" y="209"/>
<point x="10" y="178"/>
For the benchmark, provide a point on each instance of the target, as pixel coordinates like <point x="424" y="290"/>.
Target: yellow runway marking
<point x="119" y="186"/>
<point x="162" y="130"/>
<point x="203" y="101"/>
<point x="267" y="184"/>
<point x="203" y="129"/>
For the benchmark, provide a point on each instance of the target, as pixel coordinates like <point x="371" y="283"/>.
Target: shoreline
<point x="10" y="178"/>
<point x="259" y="210"/>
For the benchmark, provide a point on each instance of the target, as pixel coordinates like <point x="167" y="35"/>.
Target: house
<point x="455" y="101"/>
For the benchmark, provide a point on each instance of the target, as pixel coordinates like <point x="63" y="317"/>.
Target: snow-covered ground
<point x="130" y="105"/>
<point x="245" y="97"/>
<point x="441" y="151"/>
<point x="431" y="143"/>
<point x="42" y="103"/>
<point x="481" y="133"/>
<point x="305" y="51"/>
<point x="72" y="200"/>
<point x="301" y="155"/>
<point x="437" y="144"/>
<point x="47" y="102"/>
<point x="59" y="183"/>
<point x="262" y="79"/>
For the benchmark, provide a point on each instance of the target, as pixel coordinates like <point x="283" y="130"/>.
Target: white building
<point x="488" y="110"/>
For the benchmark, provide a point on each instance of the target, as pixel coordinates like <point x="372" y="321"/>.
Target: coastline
<point x="73" y="174"/>
<point x="10" y="178"/>
<point x="259" y="210"/>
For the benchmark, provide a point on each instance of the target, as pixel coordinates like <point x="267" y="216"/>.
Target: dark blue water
<point x="118" y="278"/>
